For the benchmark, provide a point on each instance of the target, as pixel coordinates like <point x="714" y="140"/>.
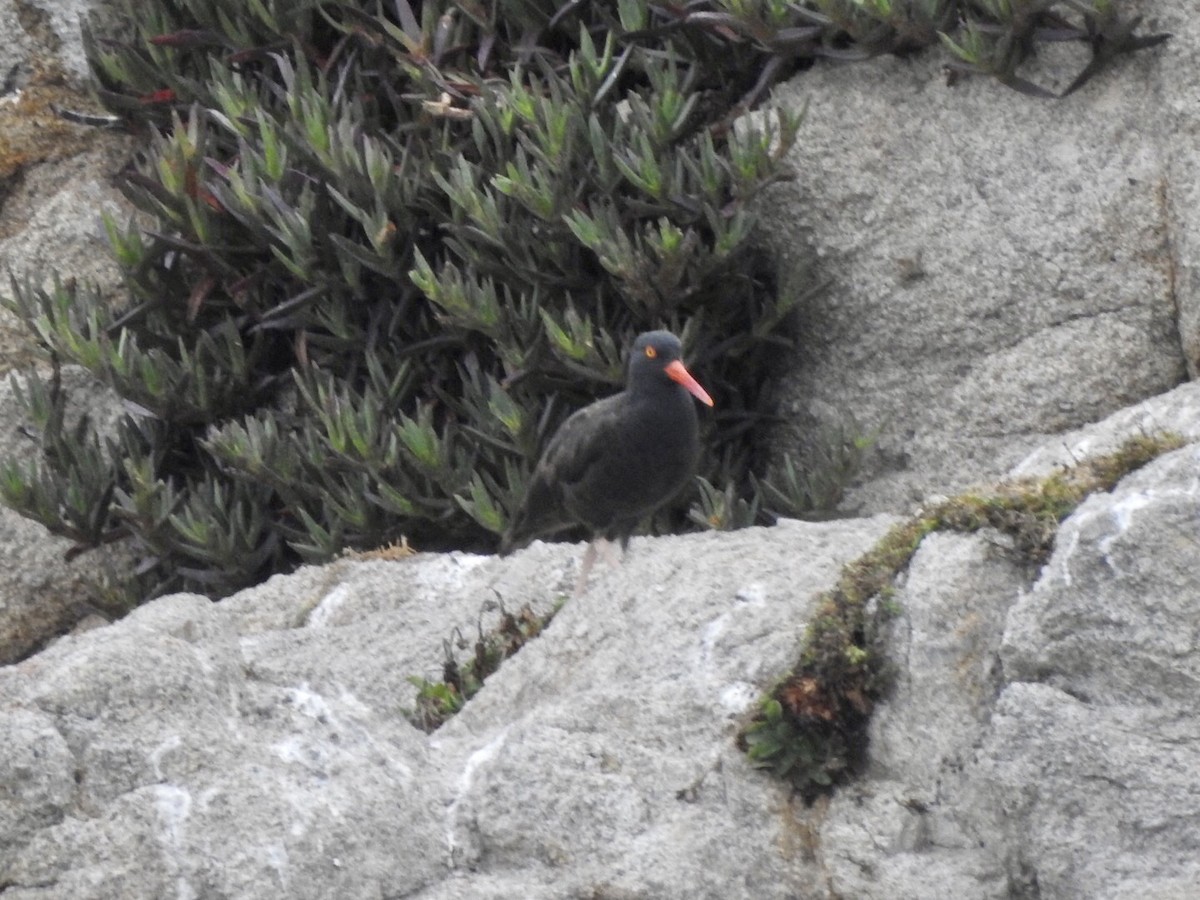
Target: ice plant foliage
<point x="394" y="244"/>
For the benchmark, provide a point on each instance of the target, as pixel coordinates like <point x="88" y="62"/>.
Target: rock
<point x="50" y="224"/>
<point x="1039" y="739"/>
<point x="999" y="269"/>
<point x="258" y="747"/>
<point x="908" y="830"/>
<point x="1099" y="731"/>
<point x="43" y="32"/>
<point x="192" y="777"/>
<point x="38" y="773"/>
<point x="1177" y="411"/>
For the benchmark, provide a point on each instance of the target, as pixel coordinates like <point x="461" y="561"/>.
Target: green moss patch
<point x="810" y="729"/>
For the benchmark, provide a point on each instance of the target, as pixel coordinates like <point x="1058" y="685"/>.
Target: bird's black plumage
<point x="619" y="459"/>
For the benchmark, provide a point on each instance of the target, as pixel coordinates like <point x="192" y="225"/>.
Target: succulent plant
<point x="397" y="243"/>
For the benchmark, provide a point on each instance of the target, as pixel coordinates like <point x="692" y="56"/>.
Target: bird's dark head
<point x="658" y="355"/>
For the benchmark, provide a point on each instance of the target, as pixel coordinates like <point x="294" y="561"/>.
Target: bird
<point x="619" y="459"/>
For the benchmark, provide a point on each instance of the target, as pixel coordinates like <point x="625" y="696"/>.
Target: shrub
<point x="388" y="232"/>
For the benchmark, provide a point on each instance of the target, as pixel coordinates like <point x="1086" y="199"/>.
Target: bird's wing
<point x="572" y="451"/>
<point x="580" y="441"/>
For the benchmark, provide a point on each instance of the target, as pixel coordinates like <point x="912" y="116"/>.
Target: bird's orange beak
<point x="677" y="372"/>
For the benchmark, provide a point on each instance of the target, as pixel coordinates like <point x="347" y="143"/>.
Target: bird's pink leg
<point x="608" y="549"/>
<point x="585" y="567"/>
<point x="597" y="547"/>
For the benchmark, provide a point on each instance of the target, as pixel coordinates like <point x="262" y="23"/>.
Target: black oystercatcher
<point x="619" y="459"/>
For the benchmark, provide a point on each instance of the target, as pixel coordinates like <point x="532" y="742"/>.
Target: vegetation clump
<point x="387" y="232"/>
<point x="810" y="728"/>
<point x="437" y="701"/>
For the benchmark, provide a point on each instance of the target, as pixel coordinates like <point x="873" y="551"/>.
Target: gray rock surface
<point x="1040" y="740"/>
<point x="915" y="827"/>
<point x="1000" y="269"/>
<point x="50" y="225"/>
<point x="1096" y="740"/>
<point x="55" y="175"/>
<point x="39" y="30"/>
<point x="258" y="747"/>
<point x="1003" y="271"/>
<point x="1177" y="411"/>
<point x="52" y="222"/>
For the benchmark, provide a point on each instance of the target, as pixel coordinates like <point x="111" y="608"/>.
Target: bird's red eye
<point x="651" y="353"/>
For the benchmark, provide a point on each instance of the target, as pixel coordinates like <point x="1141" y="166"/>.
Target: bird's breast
<point x="649" y="458"/>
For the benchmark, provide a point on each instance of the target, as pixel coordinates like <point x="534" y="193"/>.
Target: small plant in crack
<point x="438" y="701"/>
